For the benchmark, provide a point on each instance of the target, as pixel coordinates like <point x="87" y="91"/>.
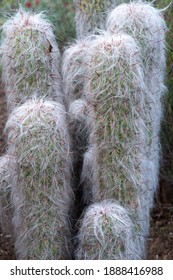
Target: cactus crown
<point x="106" y="232"/>
<point x="30" y="58"/>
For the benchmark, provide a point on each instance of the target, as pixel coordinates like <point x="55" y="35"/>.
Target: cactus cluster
<point x="116" y="106"/>
<point x="38" y="142"/>
<point x="109" y="110"/>
<point x="101" y="117"/>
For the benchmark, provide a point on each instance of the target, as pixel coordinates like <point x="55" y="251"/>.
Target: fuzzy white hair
<point x="42" y="196"/>
<point x="146" y="25"/>
<point x="5" y="196"/>
<point x="74" y="68"/>
<point x="30" y="59"/>
<point x="109" y="116"/>
<point x="91" y="15"/>
<point x="106" y="233"/>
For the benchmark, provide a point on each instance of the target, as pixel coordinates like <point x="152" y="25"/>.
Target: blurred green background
<point x="62" y="12"/>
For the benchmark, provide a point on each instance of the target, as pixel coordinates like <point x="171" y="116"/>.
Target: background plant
<point x="167" y="128"/>
<point x="91" y="15"/>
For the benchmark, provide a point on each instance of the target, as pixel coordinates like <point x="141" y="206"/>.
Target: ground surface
<point x="160" y="243"/>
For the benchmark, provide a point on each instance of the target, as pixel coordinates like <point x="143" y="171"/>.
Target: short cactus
<point x="147" y="26"/>
<point x="30" y="59"/>
<point x="5" y="196"/>
<point x="107" y="233"/>
<point x="41" y="191"/>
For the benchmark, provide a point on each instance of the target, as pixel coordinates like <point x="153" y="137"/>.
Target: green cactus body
<point x="146" y="25"/>
<point x="42" y="195"/>
<point x="5" y="196"/>
<point x="91" y="15"/>
<point x="115" y="89"/>
<point x="114" y="128"/>
<point x="97" y="5"/>
<point x="30" y="59"/>
<point x="74" y="69"/>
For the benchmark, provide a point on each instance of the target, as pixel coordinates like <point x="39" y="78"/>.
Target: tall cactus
<point x="74" y="75"/>
<point x="30" y="59"/>
<point x="111" y="109"/>
<point x="5" y="195"/>
<point x="147" y="26"/>
<point x="107" y="233"/>
<point x="41" y="191"/>
<point x="91" y="15"/>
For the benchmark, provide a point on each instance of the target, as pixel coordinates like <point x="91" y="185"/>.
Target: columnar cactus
<point x="147" y="26"/>
<point x="30" y="59"/>
<point x="74" y="62"/>
<point x="91" y="15"/>
<point x="106" y="232"/>
<point x="111" y="110"/>
<point x="5" y="196"/>
<point x="108" y="57"/>
<point x="41" y="191"/>
<point x="74" y="75"/>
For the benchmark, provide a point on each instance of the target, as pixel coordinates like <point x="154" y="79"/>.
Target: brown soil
<point x="160" y="242"/>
